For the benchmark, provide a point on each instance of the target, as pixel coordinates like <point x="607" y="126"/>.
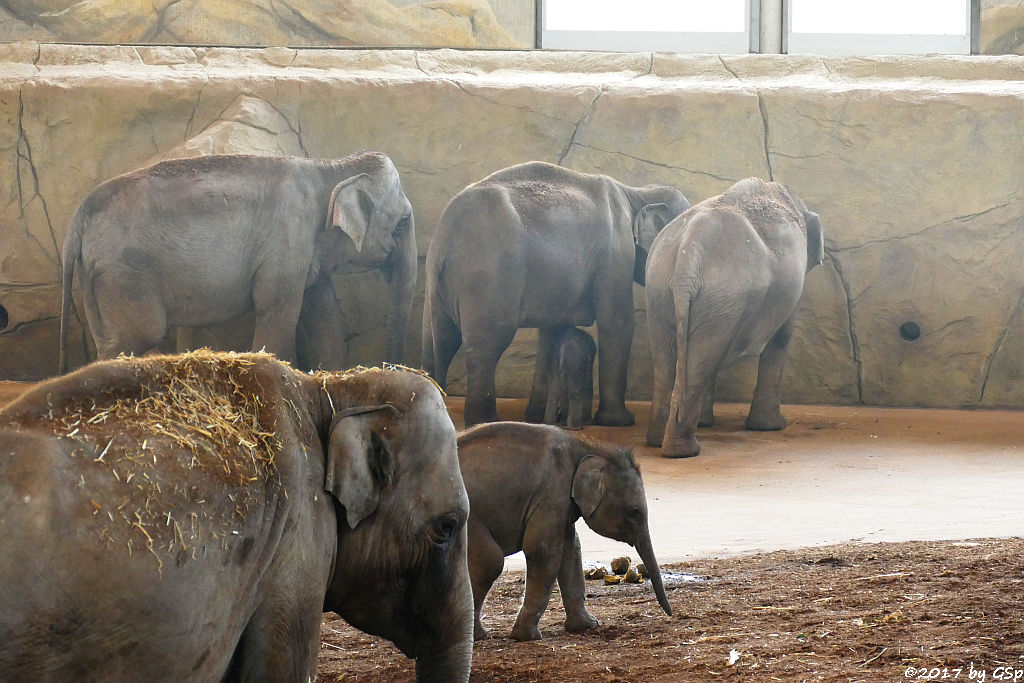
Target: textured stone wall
<point x="1002" y="27"/>
<point x="914" y="165"/>
<point x="322" y="23"/>
<point x="391" y="23"/>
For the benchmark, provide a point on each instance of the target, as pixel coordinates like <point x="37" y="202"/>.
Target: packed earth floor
<point x="859" y="544"/>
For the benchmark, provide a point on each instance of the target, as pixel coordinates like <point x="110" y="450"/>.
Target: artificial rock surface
<point x="912" y="163"/>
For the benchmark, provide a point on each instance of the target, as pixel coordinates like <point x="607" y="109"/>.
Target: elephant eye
<point x="402" y="226"/>
<point x="444" y="527"/>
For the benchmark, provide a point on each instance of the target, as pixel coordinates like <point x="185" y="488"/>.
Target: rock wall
<point x="914" y="165"/>
<point x="1002" y="27"/>
<point x="323" y="23"/>
<point x="391" y="23"/>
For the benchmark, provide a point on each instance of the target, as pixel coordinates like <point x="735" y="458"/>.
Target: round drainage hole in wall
<point x="910" y="331"/>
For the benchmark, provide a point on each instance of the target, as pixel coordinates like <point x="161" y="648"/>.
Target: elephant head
<point x="400" y="570"/>
<point x="655" y="206"/>
<point x="609" y="492"/>
<point x="373" y="211"/>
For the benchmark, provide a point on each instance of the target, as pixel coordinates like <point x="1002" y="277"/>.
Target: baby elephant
<point x="527" y="486"/>
<point x="571" y="387"/>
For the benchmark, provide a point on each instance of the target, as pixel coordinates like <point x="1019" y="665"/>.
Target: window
<point x="833" y="27"/>
<point x="725" y="26"/>
<point x="839" y="27"/>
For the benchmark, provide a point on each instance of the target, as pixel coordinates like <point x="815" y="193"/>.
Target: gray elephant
<point x="527" y="485"/>
<point x="571" y="380"/>
<point x="538" y="245"/>
<point x="190" y="517"/>
<point x="197" y="242"/>
<point x="723" y="281"/>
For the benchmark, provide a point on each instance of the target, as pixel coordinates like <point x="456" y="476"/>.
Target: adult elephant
<point x="197" y="242"/>
<point x="723" y="281"/>
<point x="190" y="518"/>
<point x="537" y="245"/>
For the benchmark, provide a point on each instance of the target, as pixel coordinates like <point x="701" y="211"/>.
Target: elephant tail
<point x="70" y="255"/>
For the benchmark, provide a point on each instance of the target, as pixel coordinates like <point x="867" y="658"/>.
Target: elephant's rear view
<point x="537" y="245"/>
<point x="198" y="242"/>
<point x="723" y="281"/>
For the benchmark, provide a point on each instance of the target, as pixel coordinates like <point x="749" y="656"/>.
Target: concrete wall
<point x="370" y="23"/>
<point x="914" y="165"/>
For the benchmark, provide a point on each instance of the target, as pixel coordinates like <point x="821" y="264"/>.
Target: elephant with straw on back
<point x="198" y="242"/>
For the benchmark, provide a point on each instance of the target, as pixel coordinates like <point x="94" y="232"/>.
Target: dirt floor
<point x="851" y="612"/>
<point x="837" y="550"/>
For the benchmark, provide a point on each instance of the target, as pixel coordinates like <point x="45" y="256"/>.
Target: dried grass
<point x="196" y="427"/>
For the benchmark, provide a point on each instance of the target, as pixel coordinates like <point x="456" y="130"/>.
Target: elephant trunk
<point x="646" y="553"/>
<point x="445" y="651"/>
<point x="403" y="284"/>
<point x="446" y="664"/>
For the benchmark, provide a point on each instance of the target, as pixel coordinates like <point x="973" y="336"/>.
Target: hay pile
<point x="189" y="448"/>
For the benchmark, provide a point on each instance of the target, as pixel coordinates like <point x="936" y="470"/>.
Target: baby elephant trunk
<point x="646" y="553"/>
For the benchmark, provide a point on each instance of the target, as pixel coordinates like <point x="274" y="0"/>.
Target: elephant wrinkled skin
<point x="198" y="242"/>
<point x="190" y="518"/>
<point x="723" y="281"/>
<point x="537" y="245"/>
<point x="527" y="485"/>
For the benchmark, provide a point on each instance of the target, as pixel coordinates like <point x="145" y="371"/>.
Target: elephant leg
<point x="764" y="408"/>
<point x="615" y="335"/>
<point x="556" y="390"/>
<point x="697" y="363"/>
<point x="441" y="340"/>
<point x="277" y="305"/>
<point x="484" y="346"/>
<point x="663" y="357"/>
<point x="707" y="406"/>
<point x="133" y="325"/>
<point x="280" y="643"/>
<point x="549" y="339"/>
<point x="541" y="571"/>
<point x="486" y="560"/>
<point x="571" y="585"/>
<point x="319" y="335"/>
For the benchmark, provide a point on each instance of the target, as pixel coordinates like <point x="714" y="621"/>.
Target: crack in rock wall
<point x="912" y="163"/>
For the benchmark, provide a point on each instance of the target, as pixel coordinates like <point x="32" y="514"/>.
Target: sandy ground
<point x="835" y="474"/>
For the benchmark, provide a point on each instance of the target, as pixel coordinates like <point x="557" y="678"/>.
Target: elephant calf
<point x="189" y="518"/>
<point x="571" y="380"/>
<point x="527" y="485"/>
<point x="723" y="281"/>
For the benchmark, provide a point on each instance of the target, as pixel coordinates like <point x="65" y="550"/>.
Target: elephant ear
<point x="588" y="484"/>
<point x="359" y="464"/>
<point x="815" y="240"/>
<point x="648" y="222"/>
<point x="351" y="207"/>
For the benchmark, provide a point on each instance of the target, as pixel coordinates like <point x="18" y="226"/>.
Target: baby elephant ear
<point x="815" y="240"/>
<point x="588" y="484"/>
<point x="358" y="463"/>
<point x="351" y="207"/>
<point x="648" y="222"/>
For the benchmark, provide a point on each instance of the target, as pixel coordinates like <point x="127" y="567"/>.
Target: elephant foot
<point x="524" y="633"/>
<point x="706" y="421"/>
<point x="619" y="417"/>
<point x="581" y="623"/>
<point x="479" y="632"/>
<point x="680" y="448"/>
<point x="769" y="423"/>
